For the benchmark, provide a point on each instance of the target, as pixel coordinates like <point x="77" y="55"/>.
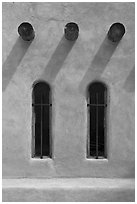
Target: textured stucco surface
<point x="68" y="67"/>
<point x="68" y="190"/>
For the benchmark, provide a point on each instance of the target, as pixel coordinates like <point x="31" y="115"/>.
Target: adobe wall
<point x="68" y="67"/>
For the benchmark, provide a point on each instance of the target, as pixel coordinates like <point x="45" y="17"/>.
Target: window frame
<point x="106" y="129"/>
<point x="33" y="123"/>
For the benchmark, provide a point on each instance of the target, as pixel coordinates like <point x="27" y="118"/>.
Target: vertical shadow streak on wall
<point x="98" y="63"/>
<point x="57" y="59"/>
<point x="13" y="60"/>
<point x="129" y="84"/>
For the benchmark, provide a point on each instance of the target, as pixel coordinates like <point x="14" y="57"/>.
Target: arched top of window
<point x="41" y="92"/>
<point x="97" y="92"/>
<point x="97" y="86"/>
<point x="41" y="83"/>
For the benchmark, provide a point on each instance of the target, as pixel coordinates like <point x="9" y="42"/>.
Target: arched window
<point x="41" y="106"/>
<point x="97" y="109"/>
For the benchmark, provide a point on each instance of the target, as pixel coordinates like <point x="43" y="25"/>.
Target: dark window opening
<point x="41" y="120"/>
<point x="97" y="104"/>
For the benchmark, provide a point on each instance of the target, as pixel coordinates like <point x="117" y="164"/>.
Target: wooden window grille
<point x="41" y="106"/>
<point x="97" y="112"/>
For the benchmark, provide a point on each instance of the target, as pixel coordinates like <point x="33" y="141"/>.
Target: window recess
<point x="97" y="109"/>
<point x="41" y="107"/>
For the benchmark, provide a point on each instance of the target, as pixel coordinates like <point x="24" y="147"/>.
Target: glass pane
<point x="46" y="125"/>
<point x="101" y="131"/>
<point x="37" y="130"/>
<point x="92" y="131"/>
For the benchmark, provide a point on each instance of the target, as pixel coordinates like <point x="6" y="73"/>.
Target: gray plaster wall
<point x="69" y="67"/>
<point x="68" y="190"/>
